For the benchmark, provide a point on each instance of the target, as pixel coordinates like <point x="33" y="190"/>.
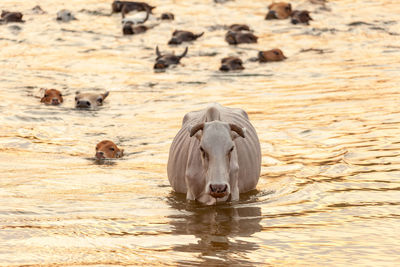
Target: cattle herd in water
<point x="216" y="155"/>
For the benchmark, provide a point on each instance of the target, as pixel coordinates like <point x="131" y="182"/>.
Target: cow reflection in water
<point x="218" y="229"/>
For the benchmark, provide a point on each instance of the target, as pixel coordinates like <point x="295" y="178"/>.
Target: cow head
<point x="52" y="97"/>
<point x="163" y="61"/>
<point x="218" y="155"/>
<point x="107" y="149"/>
<point x="281" y="10"/>
<point x="231" y="63"/>
<point x="89" y="100"/>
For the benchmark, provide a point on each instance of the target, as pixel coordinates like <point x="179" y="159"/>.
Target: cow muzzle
<point x="100" y="155"/>
<point x="271" y="15"/>
<point x="218" y="190"/>
<point x="83" y="104"/>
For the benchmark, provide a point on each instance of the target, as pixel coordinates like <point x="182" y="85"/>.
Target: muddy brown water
<point x="329" y="125"/>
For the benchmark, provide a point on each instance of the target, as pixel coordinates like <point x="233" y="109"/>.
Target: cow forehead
<point x="106" y="144"/>
<point x="52" y="91"/>
<point x="216" y="134"/>
<point x="89" y="96"/>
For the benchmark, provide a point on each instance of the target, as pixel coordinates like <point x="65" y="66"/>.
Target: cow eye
<point x="76" y="99"/>
<point x="100" y="100"/>
<point x="60" y="94"/>
<point x="201" y="149"/>
<point x="46" y="95"/>
<point x="230" y="150"/>
<point x="112" y="149"/>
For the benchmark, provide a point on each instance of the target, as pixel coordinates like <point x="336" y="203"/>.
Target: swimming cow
<point x="231" y="63"/>
<point x="106" y="149"/>
<point x="271" y="55"/>
<point x="65" y="15"/>
<point x="127" y="6"/>
<point x="300" y="16"/>
<point x="52" y="97"/>
<point x="240" y="37"/>
<point x="163" y="61"/>
<point x="281" y="10"/>
<point x="215" y="156"/>
<point x="7" y="16"/>
<point x="179" y="37"/>
<point x="89" y="100"/>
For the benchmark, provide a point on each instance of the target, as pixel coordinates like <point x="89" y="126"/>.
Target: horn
<point x="199" y="35"/>
<point x="184" y="53"/>
<point x="147" y="15"/>
<point x="158" y="52"/>
<point x="196" y="128"/>
<point x="237" y="129"/>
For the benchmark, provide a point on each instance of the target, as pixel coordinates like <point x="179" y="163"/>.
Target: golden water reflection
<point x="327" y="118"/>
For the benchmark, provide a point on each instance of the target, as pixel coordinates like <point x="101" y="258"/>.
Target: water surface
<point x="329" y="125"/>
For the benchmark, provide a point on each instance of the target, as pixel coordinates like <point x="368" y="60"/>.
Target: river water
<point x="328" y="121"/>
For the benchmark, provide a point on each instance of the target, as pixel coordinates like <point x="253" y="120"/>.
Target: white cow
<point x="215" y="156"/>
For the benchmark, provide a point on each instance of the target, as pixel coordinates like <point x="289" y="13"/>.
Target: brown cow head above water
<point x="271" y="55"/>
<point x="218" y="155"/>
<point x="106" y="149"/>
<point x="52" y="97"/>
<point x="281" y="10"/>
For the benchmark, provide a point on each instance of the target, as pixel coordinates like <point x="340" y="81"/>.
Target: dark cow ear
<point x="238" y="130"/>
<point x="105" y="94"/>
<point x="120" y="153"/>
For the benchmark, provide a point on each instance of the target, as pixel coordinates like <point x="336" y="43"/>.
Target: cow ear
<point x="120" y="153"/>
<point x="105" y="94"/>
<point x="42" y="92"/>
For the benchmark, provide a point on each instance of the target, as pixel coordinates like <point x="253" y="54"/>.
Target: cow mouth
<point x="100" y="156"/>
<point x="160" y="66"/>
<point x="218" y="195"/>
<point x="271" y="15"/>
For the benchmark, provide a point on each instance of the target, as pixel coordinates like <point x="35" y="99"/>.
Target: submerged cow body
<point x="215" y="156"/>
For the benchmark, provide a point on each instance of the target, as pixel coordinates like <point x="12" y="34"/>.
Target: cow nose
<point x="218" y="190"/>
<point x="271" y="15"/>
<point x="54" y="101"/>
<point x="224" y="68"/>
<point x="100" y="155"/>
<point x="159" y="66"/>
<point x="174" y="41"/>
<point x="295" y="21"/>
<point x="83" y="104"/>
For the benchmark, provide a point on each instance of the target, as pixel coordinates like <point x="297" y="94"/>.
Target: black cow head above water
<point x="127" y="6"/>
<point x="231" y="63"/>
<point x="163" y="61"/>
